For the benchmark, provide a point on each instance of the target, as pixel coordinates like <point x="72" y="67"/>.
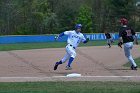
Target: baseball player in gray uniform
<point x="73" y="40"/>
<point x="127" y="36"/>
<point x="108" y="38"/>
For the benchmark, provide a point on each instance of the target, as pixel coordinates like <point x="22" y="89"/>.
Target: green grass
<point x="70" y="87"/>
<point x="25" y="46"/>
<point x="137" y="60"/>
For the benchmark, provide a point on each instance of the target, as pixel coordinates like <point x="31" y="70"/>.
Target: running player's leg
<point x="72" y="54"/>
<point x="127" y="50"/>
<point x="63" y="60"/>
<point x="109" y="43"/>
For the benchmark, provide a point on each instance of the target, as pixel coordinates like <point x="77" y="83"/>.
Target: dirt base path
<point x="93" y="63"/>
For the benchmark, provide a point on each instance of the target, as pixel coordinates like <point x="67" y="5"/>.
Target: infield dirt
<point x="90" y="61"/>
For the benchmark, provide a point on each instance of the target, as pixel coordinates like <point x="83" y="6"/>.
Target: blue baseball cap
<point x="78" y="26"/>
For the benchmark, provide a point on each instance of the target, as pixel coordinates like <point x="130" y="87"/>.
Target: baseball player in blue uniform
<point x="73" y="40"/>
<point x="126" y="37"/>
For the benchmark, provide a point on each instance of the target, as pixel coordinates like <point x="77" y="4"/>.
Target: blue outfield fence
<point x="50" y="38"/>
<point x="26" y="39"/>
<point x="101" y="36"/>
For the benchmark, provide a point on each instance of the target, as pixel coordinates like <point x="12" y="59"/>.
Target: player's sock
<point x="70" y="61"/>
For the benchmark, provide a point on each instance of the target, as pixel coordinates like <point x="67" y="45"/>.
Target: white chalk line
<point x="102" y="76"/>
<point x="70" y="77"/>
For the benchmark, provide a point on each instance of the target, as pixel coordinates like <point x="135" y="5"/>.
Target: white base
<point x="73" y="75"/>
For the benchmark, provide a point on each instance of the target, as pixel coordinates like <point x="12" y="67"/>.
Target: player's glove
<point x="120" y="44"/>
<point x="56" y="38"/>
<point x="87" y="39"/>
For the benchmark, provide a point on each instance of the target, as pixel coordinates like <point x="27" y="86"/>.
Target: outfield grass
<point x="24" y="46"/>
<point x="70" y="87"/>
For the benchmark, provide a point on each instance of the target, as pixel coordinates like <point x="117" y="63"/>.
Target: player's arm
<point x="85" y="40"/>
<point x="62" y="34"/>
<point x="120" y="42"/>
<point x="136" y="39"/>
<point x="120" y="39"/>
<point x="135" y="36"/>
<point x="120" y="35"/>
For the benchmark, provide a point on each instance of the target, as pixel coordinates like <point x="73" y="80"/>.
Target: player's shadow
<point x="61" y="73"/>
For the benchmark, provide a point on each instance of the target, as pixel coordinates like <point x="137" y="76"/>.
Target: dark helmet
<point x="78" y="26"/>
<point x="124" y="21"/>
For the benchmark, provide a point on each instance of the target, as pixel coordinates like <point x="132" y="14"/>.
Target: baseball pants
<point x="70" y="52"/>
<point x="127" y="49"/>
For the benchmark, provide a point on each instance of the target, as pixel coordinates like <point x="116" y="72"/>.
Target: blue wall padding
<point x="50" y="38"/>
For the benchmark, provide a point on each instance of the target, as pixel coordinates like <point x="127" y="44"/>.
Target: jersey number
<point x="78" y="41"/>
<point x="128" y="32"/>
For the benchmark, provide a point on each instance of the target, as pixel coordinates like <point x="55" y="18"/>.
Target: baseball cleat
<point x="68" y="68"/>
<point x="133" y="68"/>
<point x="56" y="65"/>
